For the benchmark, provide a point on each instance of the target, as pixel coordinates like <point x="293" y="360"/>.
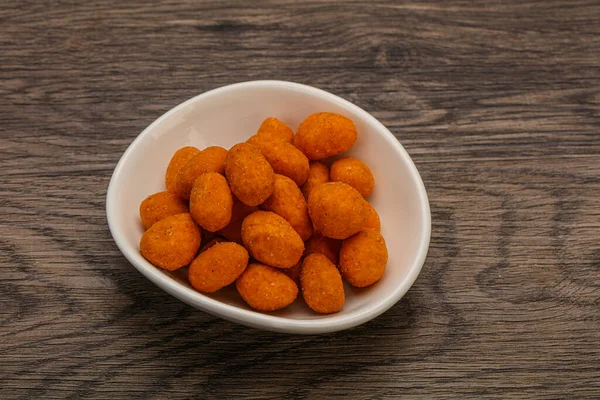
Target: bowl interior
<point x="230" y="115"/>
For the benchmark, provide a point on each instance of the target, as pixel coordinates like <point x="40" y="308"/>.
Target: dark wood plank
<point x="498" y="102"/>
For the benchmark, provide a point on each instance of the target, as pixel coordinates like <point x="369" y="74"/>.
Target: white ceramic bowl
<point x="230" y="115"/>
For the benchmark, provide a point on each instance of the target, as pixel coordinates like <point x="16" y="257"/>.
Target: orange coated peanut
<point x="325" y="134"/>
<point x="321" y="283"/>
<point x="172" y="242"/>
<point x="363" y="258"/>
<point x="287" y="201"/>
<point x="249" y="174"/>
<point x="337" y="210"/>
<point x="217" y="267"/>
<point x="271" y="239"/>
<point x="265" y="288"/>
<point x="211" y="201"/>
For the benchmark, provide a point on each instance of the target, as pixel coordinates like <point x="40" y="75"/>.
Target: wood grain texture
<point x="498" y="103"/>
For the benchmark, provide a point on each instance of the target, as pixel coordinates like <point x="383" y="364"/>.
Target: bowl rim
<point x="326" y="324"/>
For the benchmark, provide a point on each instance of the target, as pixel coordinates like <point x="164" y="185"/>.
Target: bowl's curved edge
<point x="260" y="320"/>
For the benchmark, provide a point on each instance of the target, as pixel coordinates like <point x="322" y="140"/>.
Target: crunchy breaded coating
<point x="172" y="242"/>
<point x="233" y="231"/>
<point x="363" y="258"/>
<point x="249" y="174"/>
<point x="321" y="283"/>
<point x="211" y="159"/>
<point x="284" y="157"/>
<point x="212" y="242"/>
<point x="275" y="129"/>
<point x="288" y="202"/>
<point x="217" y="267"/>
<point x="161" y="205"/>
<point x="337" y="210"/>
<point x="324" y="135"/>
<point x="372" y="221"/>
<point x="271" y="239"/>
<point x="353" y="172"/>
<point x="265" y="288"/>
<point x="211" y="201"/>
<point x="318" y="173"/>
<point x="179" y="159"/>
<point x="318" y="243"/>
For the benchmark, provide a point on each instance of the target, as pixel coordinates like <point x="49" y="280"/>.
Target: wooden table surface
<point x="498" y="103"/>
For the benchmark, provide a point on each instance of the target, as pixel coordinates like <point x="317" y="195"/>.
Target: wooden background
<point x="498" y="103"/>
